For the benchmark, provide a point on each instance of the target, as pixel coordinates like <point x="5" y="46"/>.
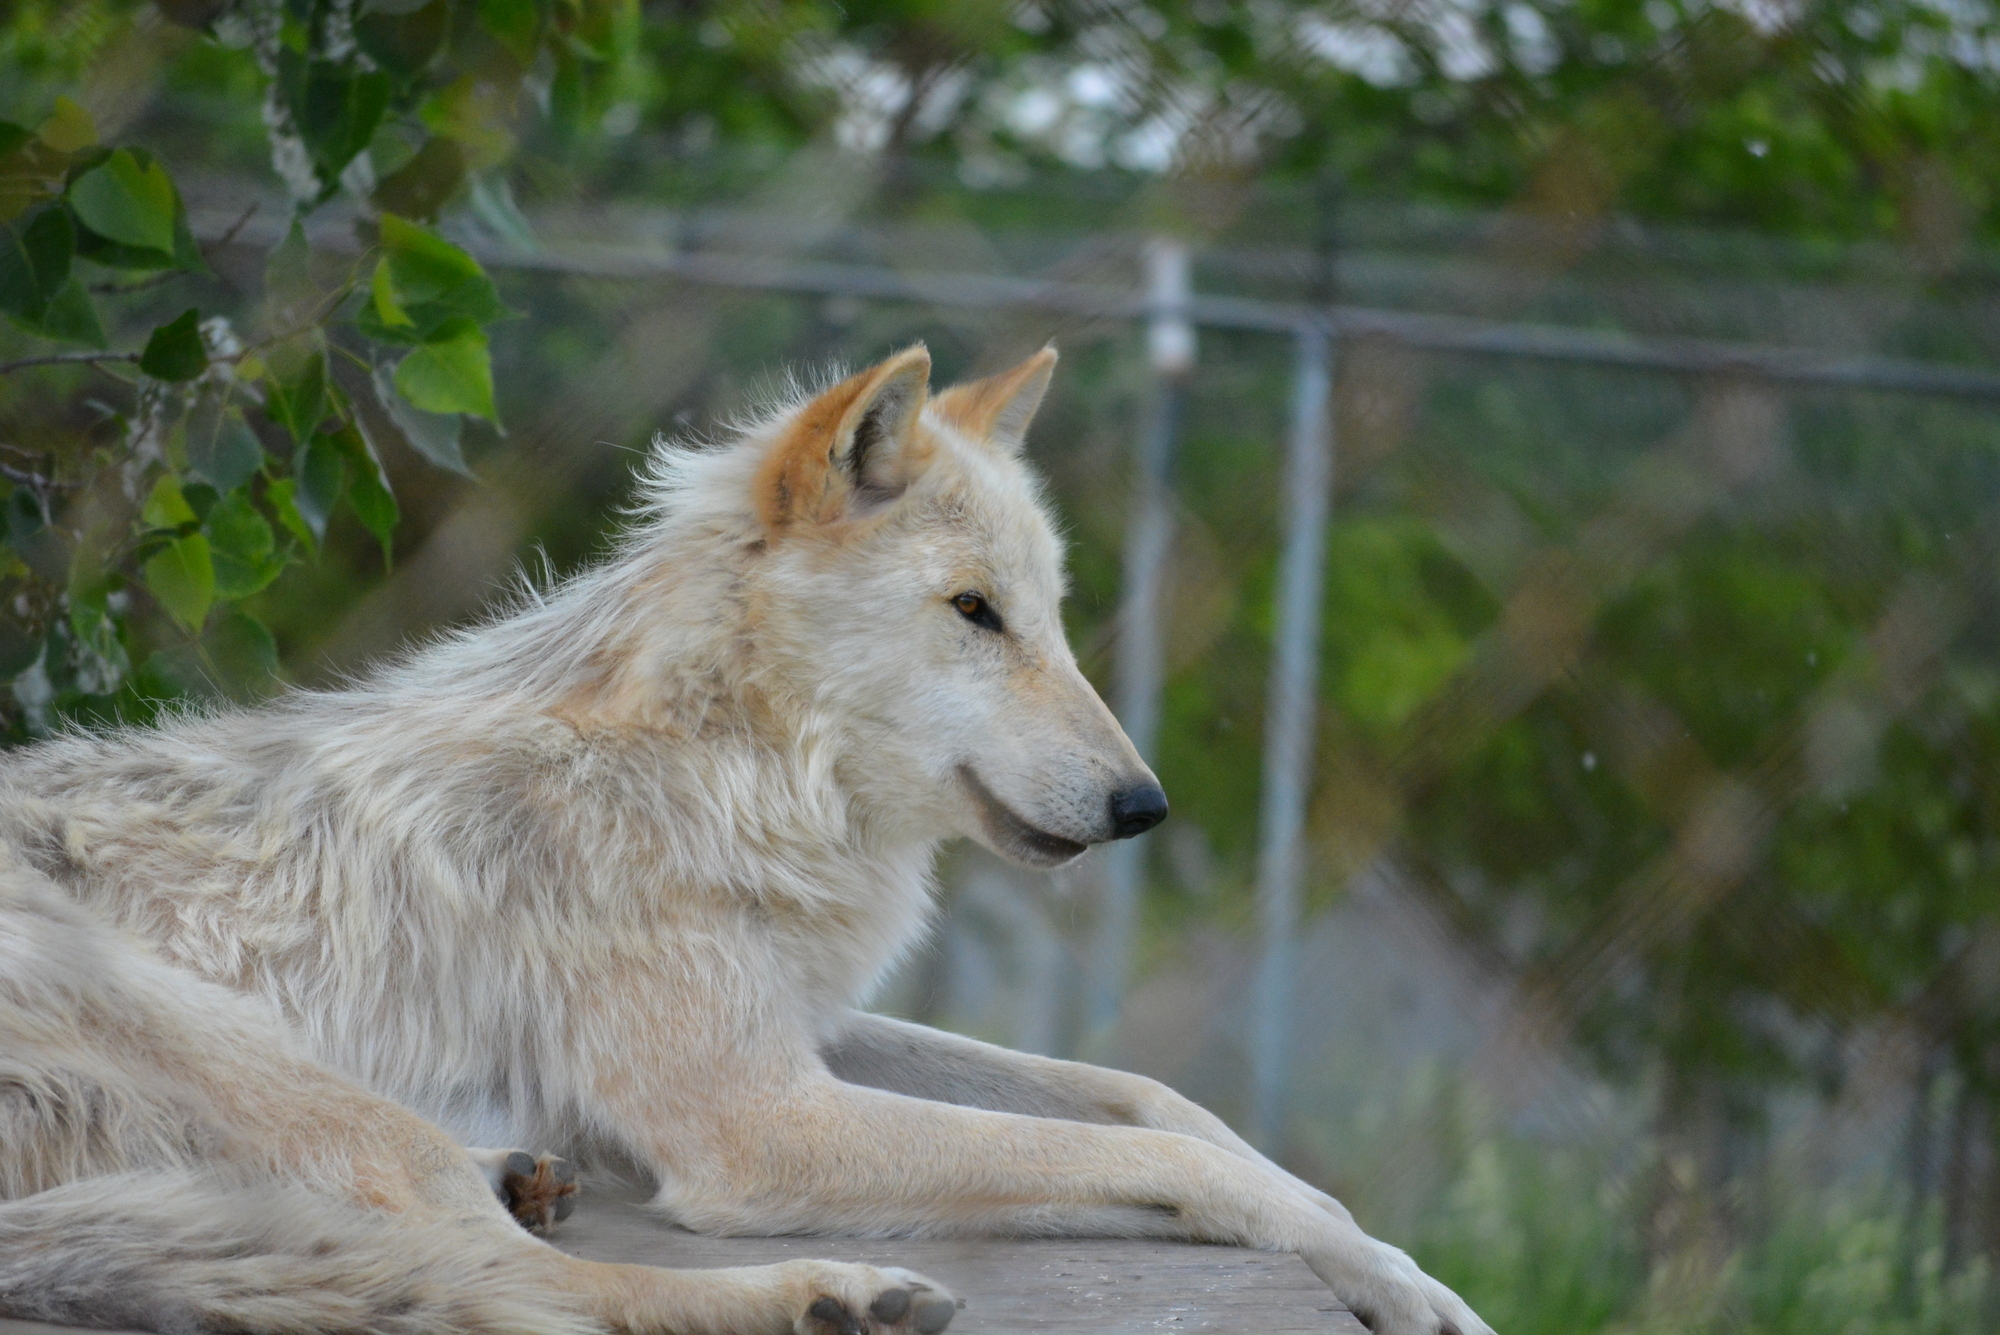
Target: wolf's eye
<point x="974" y="608"/>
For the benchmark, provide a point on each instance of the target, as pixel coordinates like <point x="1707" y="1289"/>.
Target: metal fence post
<point x="1289" y="726"/>
<point x="1141" y="663"/>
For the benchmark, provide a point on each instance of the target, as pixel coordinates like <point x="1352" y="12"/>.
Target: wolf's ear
<point x="852" y="448"/>
<point x="1000" y="407"/>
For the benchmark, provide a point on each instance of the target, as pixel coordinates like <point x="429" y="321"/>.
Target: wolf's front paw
<point x="1454" y="1316"/>
<point x="1390" y="1295"/>
<point x="867" y="1300"/>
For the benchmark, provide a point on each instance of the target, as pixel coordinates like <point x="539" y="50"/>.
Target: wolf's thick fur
<point x="613" y="871"/>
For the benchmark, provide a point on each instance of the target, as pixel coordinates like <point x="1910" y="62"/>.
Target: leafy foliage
<point x="234" y="457"/>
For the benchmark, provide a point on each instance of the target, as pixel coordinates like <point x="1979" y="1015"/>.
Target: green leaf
<point x="129" y="201"/>
<point x="376" y="506"/>
<point x="28" y="533"/>
<point x="299" y="402"/>
<point x="235" y="659"/>
<point x="30" y="171"/>
<point x="243" y="649"/>
<point x="187" y="252"/>
<point x="72" y="317"/>
<point x="23" y="513"/>
<point x="18" y="649"/>
<point x="41" y="547"/>
<point x="369" y="322"/>
<point x="288" y="278"/>
<point x="34" y="262"/>
<point x="515" y="24"/>
<point x="182" y="578"/>
<point x="192" y="13"/>
<point x="242" y="546"/>
<point x="175" y="351"/>
<point x="382" y="292"/>
<point x="335" y="108"/>
<point x="166" y="506"/>
<point x="453" y="374"/>
<point x="68" y="128"/>
<point x="404" y="38"/>
<point x="434" y="435"/>
<point x="201" y="497"/>
<point x="321" y="471"/>
<point x="421" y="187"/>
<point x="369" y="492"/>
<point x="98" y="661"/>
<point x="283" y="495"/>
<point x="434" y="281"/>
<point x="222" y="448"/>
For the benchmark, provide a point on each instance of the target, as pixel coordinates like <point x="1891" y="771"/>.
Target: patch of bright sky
<point x="1373" y="53"/>
<point x="1095" y="85"/>
<point x="1150" y="147"/>
<point x="1034" y="111"/>
<point x="1378" y="55"/>
<point x="1766" y="16"/>
<point x="1535" y="48"/>
<point x="1462" y="53"/>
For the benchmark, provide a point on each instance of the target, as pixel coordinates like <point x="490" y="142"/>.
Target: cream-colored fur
<point x="618" y="869"/>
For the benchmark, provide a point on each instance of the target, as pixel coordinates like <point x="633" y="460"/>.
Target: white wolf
<point x="613" y="871"/>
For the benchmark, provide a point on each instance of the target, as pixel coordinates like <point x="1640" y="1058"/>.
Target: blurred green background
<point x="1650" y="978"/>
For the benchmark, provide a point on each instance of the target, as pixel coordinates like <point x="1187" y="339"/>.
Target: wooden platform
<point x="1103" y="1288"/>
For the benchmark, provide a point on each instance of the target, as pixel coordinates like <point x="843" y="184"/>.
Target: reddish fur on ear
<point x="859" y="436"/>
<point x="999" y="407"/>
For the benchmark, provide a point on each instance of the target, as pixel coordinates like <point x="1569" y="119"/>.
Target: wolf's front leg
<point x="914" y="1059"/>
<point x="813" y="1154"/>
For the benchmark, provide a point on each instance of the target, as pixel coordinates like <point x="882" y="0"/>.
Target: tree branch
<point x="67" y="358"/>
<point x="118" y="289"/>
<point x="22" y="477"/>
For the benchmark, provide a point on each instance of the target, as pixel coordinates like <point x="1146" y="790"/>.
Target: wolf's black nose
<point x="1137" y="810"/>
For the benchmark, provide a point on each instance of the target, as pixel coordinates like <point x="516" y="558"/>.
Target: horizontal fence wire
<point x="1429" y="332"/>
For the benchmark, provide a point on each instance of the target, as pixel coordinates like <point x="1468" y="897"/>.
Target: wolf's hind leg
<point x="540" y="1192"/>
<point x="167" y="1162"/>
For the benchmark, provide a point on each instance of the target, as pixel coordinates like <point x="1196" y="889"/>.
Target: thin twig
<point x="29" y="476"/>
<point x="67" y="358"/>
<point x="22" y="477"/>
<point x="326" y="309"/>
<point x="234" y="228"/>
<point x="118" y="289"/>
<point x="329" y="303"/>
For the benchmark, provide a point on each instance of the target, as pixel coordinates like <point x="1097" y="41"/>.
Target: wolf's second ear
<point x="1000" y="407"/>
<point x="851" y="449"/>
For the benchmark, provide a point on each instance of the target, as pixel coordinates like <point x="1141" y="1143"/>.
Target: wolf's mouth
<point x="1015" y="835"/>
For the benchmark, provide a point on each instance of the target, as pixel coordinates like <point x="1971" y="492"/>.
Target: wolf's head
<point x="910" y="583"/>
